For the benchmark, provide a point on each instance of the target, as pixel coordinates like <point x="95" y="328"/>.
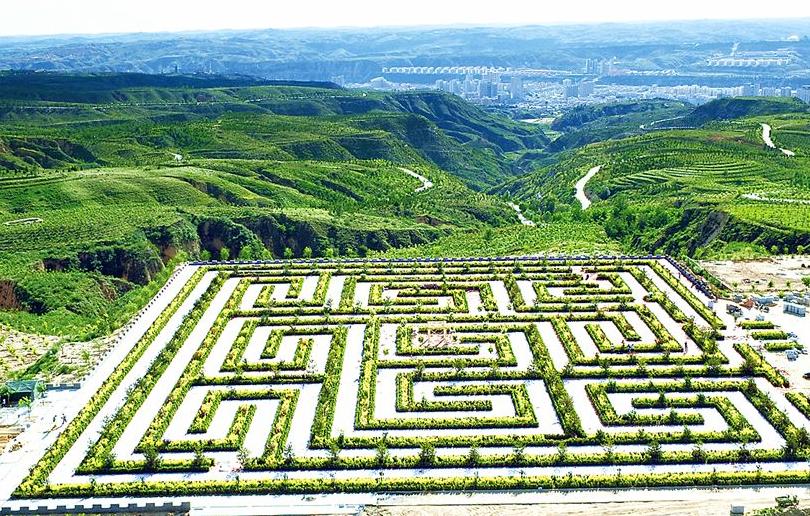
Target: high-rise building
<point x="570" y="89"/>
<point x="585" y="89"/>
<point x="803" y="93"/>
<point x="516" y="89"/>
<point x="750" y="90"/>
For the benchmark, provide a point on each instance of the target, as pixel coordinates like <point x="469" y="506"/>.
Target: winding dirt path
<point x="523" y="220"/>
<point x="580" y="187"/>
<point x="426" y="183"/>
<point x="757" y="197"/>
<point x="766" y="137"/>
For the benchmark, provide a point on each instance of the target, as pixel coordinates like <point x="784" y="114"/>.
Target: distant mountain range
<point x="359" y="55"/>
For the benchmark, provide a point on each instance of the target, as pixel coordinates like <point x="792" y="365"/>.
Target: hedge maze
<point x="357" y="376"/>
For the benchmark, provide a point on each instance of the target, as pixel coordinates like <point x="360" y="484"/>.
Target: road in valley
<point x="521" y="216"/>
<point x="426" y="183"/>
<point x="766" y="137"/>
<point x="580" y="186"/>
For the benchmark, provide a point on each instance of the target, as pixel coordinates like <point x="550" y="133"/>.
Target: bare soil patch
<point x="785" y="273"/>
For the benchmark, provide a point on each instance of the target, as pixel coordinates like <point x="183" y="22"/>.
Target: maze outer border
<point x="550" y="478"/>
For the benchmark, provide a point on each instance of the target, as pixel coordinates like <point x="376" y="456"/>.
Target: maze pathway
<point x="362" y="376"/>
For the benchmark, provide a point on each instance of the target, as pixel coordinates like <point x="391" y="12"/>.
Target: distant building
<point x="803" y="93"/>
<point x="570" y="90"/>
<point x="750" y="90"/>
<point x="585" y="89"/>
<point x="516" y="89"/>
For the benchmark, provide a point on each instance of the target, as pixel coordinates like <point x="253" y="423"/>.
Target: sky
<point x="42" y="17"/>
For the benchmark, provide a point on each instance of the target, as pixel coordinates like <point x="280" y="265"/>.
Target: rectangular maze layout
<point x="377" y="375"/>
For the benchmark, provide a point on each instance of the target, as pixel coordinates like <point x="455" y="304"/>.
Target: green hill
<point x="741" y="107"/>
<point x="106" y="178"/>
<point x="129" y="119"/>
<point x="702" y="192"/>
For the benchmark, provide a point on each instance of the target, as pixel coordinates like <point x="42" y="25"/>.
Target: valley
<point x="283" y="289"/>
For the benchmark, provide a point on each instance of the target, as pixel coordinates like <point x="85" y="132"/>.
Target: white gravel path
<point x="766" y="137"/>
<point x="521" y="217"/>
<point x="426" y="183"/>
<point x="580" y="187"/>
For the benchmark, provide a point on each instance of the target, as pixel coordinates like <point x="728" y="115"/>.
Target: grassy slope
<point x="266" y="170"/>
<point x="137" y="124"/>
<point x="684" y="190"/>
<point x="546" y="239"/>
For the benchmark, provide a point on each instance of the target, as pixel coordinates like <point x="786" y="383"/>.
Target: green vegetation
<point x="588" y="124"/>
<point x="388" y="350"/>
<point x="707" y="192"/>
<point x="550" y="238"/>
<point x="106" y="179"/>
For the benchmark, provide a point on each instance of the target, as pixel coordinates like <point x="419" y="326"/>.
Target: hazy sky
<point x="18" y="17"/>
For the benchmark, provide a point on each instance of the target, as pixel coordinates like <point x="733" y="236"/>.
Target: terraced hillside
<point x="715" y="189"/>
<point x="54" y="121"/>
<point x="105" y="179"/>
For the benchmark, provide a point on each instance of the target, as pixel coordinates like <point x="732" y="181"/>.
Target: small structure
<point x="794" y="309"/>
<point x="798" y="299"/>
<point x="767" y="300"/>
<point x="15" y="391"/>
<point x="443" y="338"/>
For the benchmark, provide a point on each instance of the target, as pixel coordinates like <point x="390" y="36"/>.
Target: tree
<point x="427" y="455"/>
<point x="153" y="459"/>
<point x="334" y="453"/>
<point x="199" y="456"/>
<point x="698" y="453"/>
<point x="288" y="455"/>
<point x="562" y="453"/>
<point x="518" y="455"/>
<point x="242" y="457"/>
<point x="288" y="253"/>
<point x="109" y="460"/>
<point x="307" y="252"/>
<point x="224" y="254"/>
<point x="382" y="453"/>
<point x="654" y="452"/>
<point x="473" y="456"/>
<point x="25" y="403"/>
